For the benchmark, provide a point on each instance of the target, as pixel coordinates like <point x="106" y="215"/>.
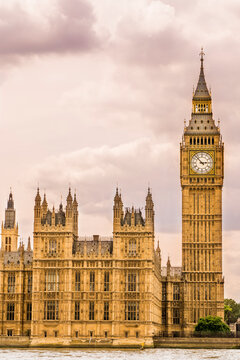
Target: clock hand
<point x="200" y="161"/>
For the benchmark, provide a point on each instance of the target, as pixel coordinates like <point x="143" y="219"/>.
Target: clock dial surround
<point x="201" y="162"/>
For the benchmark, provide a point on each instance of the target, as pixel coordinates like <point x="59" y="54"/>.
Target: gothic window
<point x="106" y="310"/>
<point x="77" y="310"/>
<point x="106" y="281"/>
<point x="10" y="311"/>
<point x="131" y="310"/>
<point x="29" y="311"/>
<point x="11" y="282"/>
<point x="51" y="280"/>
<point x="51" y="310"/>
<point x="164" y="291"/>
<point x="8" y="243"/>
<point x="164" y="316"/>
<point x="91" y="310"/>
<point x="176" y="316"/>
<point x="29" y="283"/>
<point x="77" y="281"/>
<point x="92" y="281"/>
<point x="132" y="247"/>
<point x="176" y="292"/>
<point x="132" y="281"/>
<point x="52" y="250"/>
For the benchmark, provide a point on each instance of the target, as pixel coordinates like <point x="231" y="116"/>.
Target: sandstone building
<point x="72" y="290"/>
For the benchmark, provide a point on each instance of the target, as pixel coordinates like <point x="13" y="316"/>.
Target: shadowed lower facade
<point x="72" y="290"/>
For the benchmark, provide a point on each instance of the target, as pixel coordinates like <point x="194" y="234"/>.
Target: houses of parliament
<point x="68" y="290"/>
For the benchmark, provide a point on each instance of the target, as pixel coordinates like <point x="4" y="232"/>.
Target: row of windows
<point x="202" y="180"/>
<point x="91" y="333"/>
<point x="176" y="291"/>
<point x="11" y="311"/>
<point x="51" y="310"/>
<point x="8" y="242"/>
<point x="175" y="316"/>
<point x="201" y="108"/>
<point x="201" y="140"/>
<point x="12" y="282"/>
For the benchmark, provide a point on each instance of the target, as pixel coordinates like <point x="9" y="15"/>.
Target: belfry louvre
<point x="72" y="290"/>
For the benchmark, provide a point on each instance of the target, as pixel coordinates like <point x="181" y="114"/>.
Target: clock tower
<point x="201" y="174"/>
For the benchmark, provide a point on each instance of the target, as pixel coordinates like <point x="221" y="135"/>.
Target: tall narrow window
<point x="106" y="310"/>
<point x="29" y="283"/>
<point x="77" y="281"/>
<point x="91" y="310"/>
<point x="10" y="311"/>
<point x="164" y="291"/>
<point x="51" y="280"/>
<point x="131" y="310"/>
<point x="77" y="310"/>
<point x="132" y="281"/>
<point x="52" y="250"/>
<point x="92" y="281"/>
<point x="164" y="316"/>
<point x="29" y="311"/>
<point x="176" y="316"/>
<point x="132" y="247"/>
<point x="176" y="292"/>
<point x="106" y="281"/>
<point x="51" y="310"/>
<point x="11" y="282"/>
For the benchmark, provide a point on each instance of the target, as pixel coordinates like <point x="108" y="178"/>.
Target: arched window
<point x="132" y="247"/>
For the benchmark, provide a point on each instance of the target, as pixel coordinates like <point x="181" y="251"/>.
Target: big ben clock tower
<point x="201" y="173"/>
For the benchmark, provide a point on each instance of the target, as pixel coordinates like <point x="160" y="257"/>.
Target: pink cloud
<point x="69" y="29"/>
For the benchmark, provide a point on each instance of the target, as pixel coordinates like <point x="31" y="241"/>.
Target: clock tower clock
<point x="201" y="174"/>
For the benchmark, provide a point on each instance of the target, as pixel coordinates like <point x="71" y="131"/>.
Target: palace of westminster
<point x="72" y="290"/>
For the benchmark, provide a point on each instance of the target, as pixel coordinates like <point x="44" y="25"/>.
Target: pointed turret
<point x="168" y="266"/>
<point x="10" y="213"/>
<point x="29" y="244"/>
<point x="158" y="250"/>
<point x="44" y="205"/>
<point x="75" y="215"/>
<point x="9" y="227"/>
<point x="37" y="209"/>
<point x="69" y="198"/>
<point x="149" y="211"/>
<point x="117" y="210"/>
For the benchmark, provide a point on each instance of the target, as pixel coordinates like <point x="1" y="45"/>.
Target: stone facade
<point x="72" y="290"/>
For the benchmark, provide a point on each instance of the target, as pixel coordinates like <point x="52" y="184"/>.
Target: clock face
<point x="202" y="162"/>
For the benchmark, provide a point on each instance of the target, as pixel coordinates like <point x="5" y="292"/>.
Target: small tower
<point x="9" y="227"/>
<point x="44" y="205"/>
<point x="37" y="210"/>
<point x="69" y="207"/>
<point x="117" y="211"/>
<point x="75" y="215"/>
<point x="149" y="212"/>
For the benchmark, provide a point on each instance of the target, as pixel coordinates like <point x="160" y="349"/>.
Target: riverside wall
<point x="185" y="343"/>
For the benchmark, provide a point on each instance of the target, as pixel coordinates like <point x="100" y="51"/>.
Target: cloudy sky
<point x="94" y="93"/>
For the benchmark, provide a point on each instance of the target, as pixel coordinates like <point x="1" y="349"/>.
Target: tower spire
<point x="201" y="91"/>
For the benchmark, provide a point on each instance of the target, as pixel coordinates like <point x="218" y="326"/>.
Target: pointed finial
<point x="201" y="57"/>
<point x="29" y="244"/>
